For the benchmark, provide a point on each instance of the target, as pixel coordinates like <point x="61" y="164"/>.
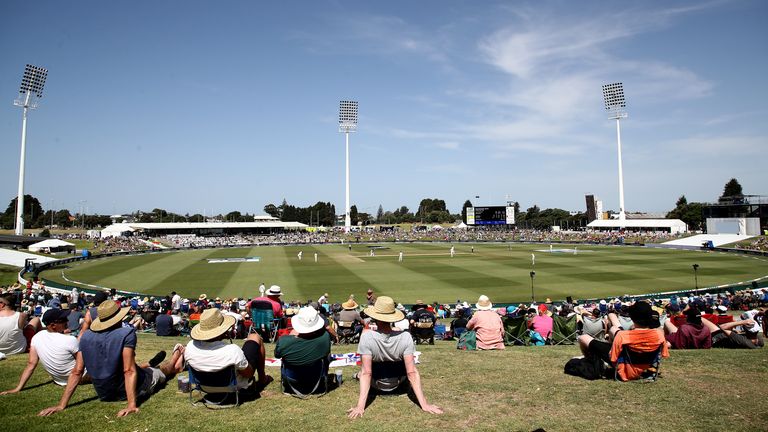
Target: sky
<point x="210" y="107"/>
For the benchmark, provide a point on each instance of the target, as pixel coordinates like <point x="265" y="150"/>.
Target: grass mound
<point x="520" y="388"/>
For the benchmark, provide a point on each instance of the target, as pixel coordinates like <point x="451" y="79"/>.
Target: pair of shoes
<point x="157" y="359"/>
<point x="356" y="376"/>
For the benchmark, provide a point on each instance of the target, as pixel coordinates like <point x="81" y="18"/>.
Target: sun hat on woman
<point x="384" y="310"/>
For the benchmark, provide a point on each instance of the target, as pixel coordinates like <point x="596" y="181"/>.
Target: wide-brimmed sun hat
<point x="108" y="313"/>
<point x="274" y="290"/>
<point x="350" y="304"/>
<point x="384" y="310"/>
<point x="307" y="320"/>
<point x="202" y="297"/>
<point x="212" y="323"/>
<point x="484" y="303"/>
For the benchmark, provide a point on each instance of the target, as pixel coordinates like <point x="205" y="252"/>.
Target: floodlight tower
<point x="613" y="95"/>
<point x="347" y="124"/>
<point x="30" y="91"/>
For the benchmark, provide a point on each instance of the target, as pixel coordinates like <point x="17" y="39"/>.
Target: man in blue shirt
<point x="109" y="354"/>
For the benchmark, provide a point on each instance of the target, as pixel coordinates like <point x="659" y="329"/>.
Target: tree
<point x="353" y="215"/>
<point x="272" y="210"/>
<point x="380" y="214"/>
<point x="32" y="212"/>
<point x="690" y="213"/>
<point x="466" y="205"/>
<point x="732" y="190"/>
<point x="233" y="216"/>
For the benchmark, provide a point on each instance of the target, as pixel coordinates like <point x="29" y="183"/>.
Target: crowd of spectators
<point x="415" y="234"/>
<point x="104" y="327"/>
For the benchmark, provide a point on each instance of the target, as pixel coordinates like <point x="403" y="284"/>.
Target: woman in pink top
<point x="542" y="323"/>
<point x="487" y="325"/>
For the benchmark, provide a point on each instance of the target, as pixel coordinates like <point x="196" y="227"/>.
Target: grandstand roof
<point x="159" y="226"/>
<point x="674" y="225"/>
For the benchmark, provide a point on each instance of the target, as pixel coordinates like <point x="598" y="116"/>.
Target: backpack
<point x="590" y="367"/>
<point x="467" y="341"/>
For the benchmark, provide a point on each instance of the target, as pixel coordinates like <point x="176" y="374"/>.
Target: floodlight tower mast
<point x="613" y="95"/>
<point x="347" y="124"/>
<point x="30" y="91"/>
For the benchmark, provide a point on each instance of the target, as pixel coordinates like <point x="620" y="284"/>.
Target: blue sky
<point x="217" y="106"/>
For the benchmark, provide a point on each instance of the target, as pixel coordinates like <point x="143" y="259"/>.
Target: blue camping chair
<point x="218" y="388"/>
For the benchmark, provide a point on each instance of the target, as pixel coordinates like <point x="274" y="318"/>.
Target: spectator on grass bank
<point x="273" y="295"/>
<point x="488" y="325"/>
<point x="208" y="352"/>
<point x="57" y="351"/>
<point x="690" y="335"/>
<point x="726" y="336"/>
<point x="109" y="355"/>
<point x="370" y="297"/>
<point x="16" y="329"/>
<point x="388" y="365"/>
<point x="644" y="336"/>
<point x="305" y="353"/>
<point x="542" y="323"/>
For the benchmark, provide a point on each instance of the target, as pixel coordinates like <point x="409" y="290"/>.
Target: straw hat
<point x="212" y="324"/>
<point x="109" y="314"/>
<point x="484" y="303"/>
<point x="274" y="290"/>
<point x="307" y="320"/>
<point x="349" y="304"/>
<point x="202" y="297"/>
<point x="384" y="310"/>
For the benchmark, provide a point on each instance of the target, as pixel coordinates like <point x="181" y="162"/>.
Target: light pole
<point x="696" y="276"/>
<point x="613" y="95"/>
<point x="533" y="275"/>
<point x="30" y="91"/>
<point x="347" y="124"/>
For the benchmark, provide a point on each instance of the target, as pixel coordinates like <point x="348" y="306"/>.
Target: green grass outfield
<point x="427" y="271"/>
<point x="518" y="389"/>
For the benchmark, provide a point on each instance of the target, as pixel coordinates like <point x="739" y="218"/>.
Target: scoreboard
<point x="494" y="215"/>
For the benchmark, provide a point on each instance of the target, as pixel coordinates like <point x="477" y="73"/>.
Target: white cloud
<point x="447" y="145"/>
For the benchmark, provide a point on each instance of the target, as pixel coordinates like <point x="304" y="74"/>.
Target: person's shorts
<point x="153" y="380"/>
<point x="601" y="349"/>
<point x="718" y="336"/>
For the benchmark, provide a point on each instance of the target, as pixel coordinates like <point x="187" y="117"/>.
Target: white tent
<point x="461" y="226"/>
<point x="52" y="245"/>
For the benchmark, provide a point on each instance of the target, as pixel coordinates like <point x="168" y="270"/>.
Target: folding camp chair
<point x="423" y="332"/>
<point x="305" y="381"/>
<point x="594" y="327"/>
<point x="563" y="330"/>
<point x="217" y="388"/>
<point x="440" y="332"/>
<point x="632" y="357"/>
<point x="263" y="320"/>
<point x="516" y="331"/>
<point x="348" y="333"/>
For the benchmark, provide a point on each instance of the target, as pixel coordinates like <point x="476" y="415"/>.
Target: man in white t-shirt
<point x="207" y="352"/>
<point x="175" y="301"/>
<point x="58" y="352"/>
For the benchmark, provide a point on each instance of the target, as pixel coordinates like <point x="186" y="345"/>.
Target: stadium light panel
<point x="347" y="116"/>
<point x="615" y="104"/>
